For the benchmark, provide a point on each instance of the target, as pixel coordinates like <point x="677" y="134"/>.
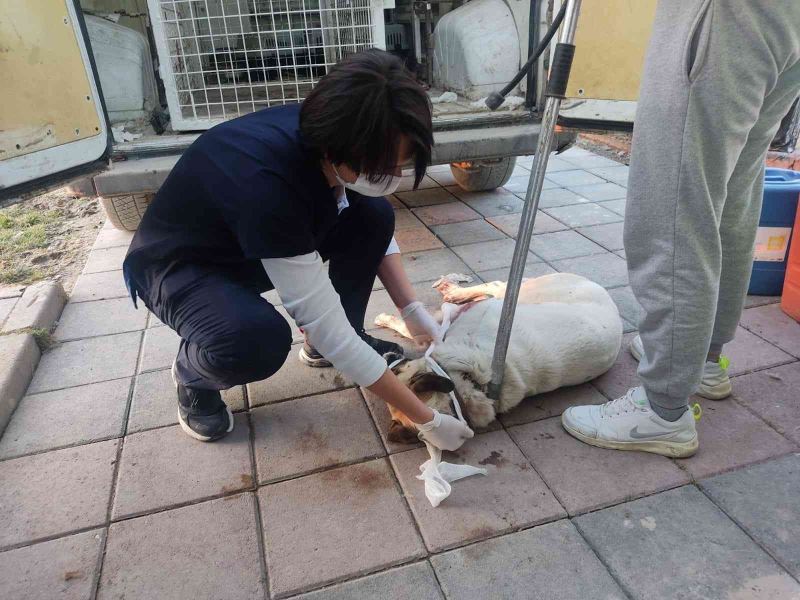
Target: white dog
<point x="567" y="331"/>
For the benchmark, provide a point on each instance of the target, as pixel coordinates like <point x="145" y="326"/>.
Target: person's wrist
<point x="431" y="423"/>
<point x="409" y="308"/>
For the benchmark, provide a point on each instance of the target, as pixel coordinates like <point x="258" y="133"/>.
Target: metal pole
<point x="551" y="107"/>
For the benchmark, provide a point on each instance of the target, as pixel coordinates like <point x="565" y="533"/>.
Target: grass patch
<point x="24" y="234"/>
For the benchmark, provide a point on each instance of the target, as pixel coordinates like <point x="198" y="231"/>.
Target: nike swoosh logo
<point x="638" y="436"/>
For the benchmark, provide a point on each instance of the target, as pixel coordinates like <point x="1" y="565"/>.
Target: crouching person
<point x="259" y="203"/>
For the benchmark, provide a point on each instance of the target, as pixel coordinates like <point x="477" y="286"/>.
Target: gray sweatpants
<point x="719" y="76"/>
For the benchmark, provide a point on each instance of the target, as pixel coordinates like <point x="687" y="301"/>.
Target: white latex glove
<point x="421" y="325"/>
<point x="444" y="432"/>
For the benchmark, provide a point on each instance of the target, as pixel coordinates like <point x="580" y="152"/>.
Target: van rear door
<point x="53" y="127"/>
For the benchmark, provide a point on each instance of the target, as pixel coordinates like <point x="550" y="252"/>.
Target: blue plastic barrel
<point x="781" y="193"/>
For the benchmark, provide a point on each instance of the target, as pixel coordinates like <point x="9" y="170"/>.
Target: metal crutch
<point x="554" y="94"/>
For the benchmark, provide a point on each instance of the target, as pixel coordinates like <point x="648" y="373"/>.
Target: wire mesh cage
<point x="223" y="58"/>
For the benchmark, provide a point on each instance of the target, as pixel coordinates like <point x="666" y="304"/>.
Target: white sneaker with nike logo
<point x="628" y="423"/>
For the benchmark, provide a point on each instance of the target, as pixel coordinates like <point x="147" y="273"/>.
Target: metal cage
<point x="223" y="58"/>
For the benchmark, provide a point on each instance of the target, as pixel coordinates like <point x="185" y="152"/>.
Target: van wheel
<point x="126" y="212"/>
<point x="483" y="175"/>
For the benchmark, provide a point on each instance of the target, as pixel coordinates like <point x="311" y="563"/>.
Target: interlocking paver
<point x="607" y="269"/>
<point x="165" y="467"/>
<point x="551" y="561"/>
<point x="296" y="379"/>
<point x="207" y="550"/>
<point x="107" y="259"/>
<point x="730" y="437"/>
<point x="442" y="177"/>
<point x="748" y="352"/>
<point x="551" y="404"/>
<point x="518" y="184"/>
<point x="56" y="492"/>
<point x="773" y="394"/>
<point x="554" y="164"/>
<point x="416" y="239"/>
<point x="583" y="215"/>
<point x="442" y="214"/>
<point x="617" y="174"/>
<point x="700" y="552"/>
<point x="467" y="232"/>
<point x="489" y="255"/>
<point x="492" y="203"/>
<point x="586" y="478"/>
<point x="560" y="197"/>
<point x="511" y="496"/>
<point x="99" y="286"/>
<point x="775" y="326"/>
<point x="415" y="580"/>
<point x="530" y="271"/>
<point x="592" y="161"/>
<point x="299" y="436"/>
<point x="154" y="401"/>
<point x="356" y="510"/>
<point x="574" y="178"/>
<point x="608" y="235"/>
<point x="622" y="376"/>
<point x="159" y="348"/>
<point x="103" y="317"/>
<point x="67" y="417"/>
<point x="407" y="183"/>
<point x="770" y="518"/>
<point x="563" y="244"/>
<point x="618" y="206"/>
<point x="405" y="219"/>
<point x="629" y="307"/>
<point x="63" y="568"/>
<point x="432" y="264"/>
<point x="543" y="223"/>
<point x="87" y="361"/>
<point x="425" y="197"/>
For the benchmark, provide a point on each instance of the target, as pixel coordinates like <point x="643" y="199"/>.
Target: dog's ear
<point x="430" y="382"/>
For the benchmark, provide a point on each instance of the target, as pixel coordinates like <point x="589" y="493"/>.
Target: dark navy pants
<point x="230" y="335"/>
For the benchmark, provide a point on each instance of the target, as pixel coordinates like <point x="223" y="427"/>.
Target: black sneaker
<point x="309" y="355"/>
<point x="202" y="413"/>
<point x="382" y="347"/>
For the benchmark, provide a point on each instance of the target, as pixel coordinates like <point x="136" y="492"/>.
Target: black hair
<point x="357" y="112"/>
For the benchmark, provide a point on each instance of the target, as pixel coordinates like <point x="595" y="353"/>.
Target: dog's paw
<point x="384" y="320"/>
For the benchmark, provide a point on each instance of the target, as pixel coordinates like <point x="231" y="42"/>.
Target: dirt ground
<point x="616" y="146"/>
<point x="47" y="237"/>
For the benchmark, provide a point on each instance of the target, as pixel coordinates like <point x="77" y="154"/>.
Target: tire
<point x="126" y="212"/>
<point x="484" y="175"/>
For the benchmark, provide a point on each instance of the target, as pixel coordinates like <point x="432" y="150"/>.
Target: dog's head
<point x="434" y="390"/>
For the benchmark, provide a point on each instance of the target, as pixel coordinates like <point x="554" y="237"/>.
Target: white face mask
<point x="386" y="186"/>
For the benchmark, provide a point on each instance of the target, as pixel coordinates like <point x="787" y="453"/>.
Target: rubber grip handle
<point x="560" y="67"/>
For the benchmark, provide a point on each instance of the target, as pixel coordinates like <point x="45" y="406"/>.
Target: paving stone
<point x="518" y="184"/>
<point x="467" y="232"/>
<point x="63" y="568"/>
<point x="716" y="559"/>
<point x="489" y="255"/>
<point x="160" y="347"/>
<point x="164" y="467"/>
<point x="405" y="219"/>
<point x="511" y="496"/>
<point x="583" y="215"/>
<point x="87" y="361"/>
<point x="443" y="177"/>
<point x="621" y="254"/>
<point x="551" y="561"/>
<point x="551" y="404"/>
<point x="19" y="355"/>
<point x="608" y="235"/>
<point x="426" y="197"/>
<point x="99" y="286"/>
<point x="748" y="352"/>
<point x="731" y="437"/>
<point x="56" y="492"/>
<point x="555" y="163"/>
<point x="395" y="584"/>
<point x="574" y="178"/>
<point x="593" y="161"/>
<point x="11" y="291"/>
<point x="629" y="307"/>
<point x="107" y="259"/>
<point x="617" y="174"/>
<point x="154" y="401"/>
<point x="622" y="376"/>
<point x="335" y="525"/>
<point x="6" y="304"/>
<point x="531" y="270"/>
<point x="441" y="214"/>
<point x="157" y="556"/>
<point x="608" y="269"/>
<point x="617" y="206"/>
<point x="395" y="201"/>
<point x="560" y="197"/>
<point x="575" y="151"/>
<point x="294" y="380"/>
<point x="383" y="420"/>
<point x="563" y="244"/>
<point x="509" y="224"/>
<point x="520" y="171"/>
<point x="38" y="308"/>
<point x="300" y="436"/>
<point x="586" y="478"/>
<point x="407" y="184"/>
<point x="66" y="417"/>
<point x="491" y="203"/>
<point x="416" y="239"/>
<point x="775" y="326"/>
<point x="753" y="301"/>
<point x="112" y="238"/>
<point x="769" y="518"/>
<point x="432" y="264"/>
<point x="773" y="395"/>
<point x="103" y="317"/>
